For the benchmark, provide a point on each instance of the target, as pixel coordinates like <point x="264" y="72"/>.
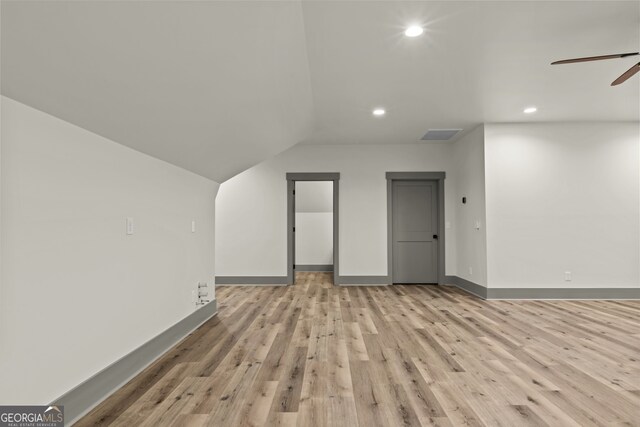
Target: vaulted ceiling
<point x="213" y="87"/>
<point x="216" y="87"/>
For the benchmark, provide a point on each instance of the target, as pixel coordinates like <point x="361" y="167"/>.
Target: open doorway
<point x="312" y="223"/>
<point x="313" y="226"/>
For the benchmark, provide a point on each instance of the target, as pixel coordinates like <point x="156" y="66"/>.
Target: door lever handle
<point x="435" y="236"/>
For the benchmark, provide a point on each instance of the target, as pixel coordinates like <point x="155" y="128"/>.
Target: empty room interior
<point x="320" y="213"/>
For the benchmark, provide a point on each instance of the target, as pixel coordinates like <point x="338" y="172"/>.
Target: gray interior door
<point x="415" y="232"/>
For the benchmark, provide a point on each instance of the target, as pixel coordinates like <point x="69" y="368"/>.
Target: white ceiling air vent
<point x="440" y="134"/>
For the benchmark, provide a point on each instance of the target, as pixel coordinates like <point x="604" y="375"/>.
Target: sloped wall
<point x="78" y="293"/>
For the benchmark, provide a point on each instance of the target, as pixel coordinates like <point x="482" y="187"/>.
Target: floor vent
<point x="440" y="134"/>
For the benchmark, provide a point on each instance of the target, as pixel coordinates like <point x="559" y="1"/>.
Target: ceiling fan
<point x="623" y="78"/>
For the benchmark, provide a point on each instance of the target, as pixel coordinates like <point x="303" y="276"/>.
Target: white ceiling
<point x="213" y="87"/>
<point x="216" y="87"/>
<point x="476" y="62"/>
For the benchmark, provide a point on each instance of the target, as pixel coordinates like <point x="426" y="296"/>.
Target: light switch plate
<point x="193" y="226"/>
<point x="130" y="228"/>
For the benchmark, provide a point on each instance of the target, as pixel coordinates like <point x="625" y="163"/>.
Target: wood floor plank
<point x="259" y="402"/>
<point x="288" y="396"/>
<point x="368" y="396"/>
<point x="314" y="354"/>
<point x="228" y="409"/>
<point x="149" y="401"/>
<point x="172" y="407"/>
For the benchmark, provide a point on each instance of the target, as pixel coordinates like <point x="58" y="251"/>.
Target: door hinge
<point x="294" y="192"/>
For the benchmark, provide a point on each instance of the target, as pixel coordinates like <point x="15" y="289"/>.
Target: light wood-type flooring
<point x="318" y="355"/>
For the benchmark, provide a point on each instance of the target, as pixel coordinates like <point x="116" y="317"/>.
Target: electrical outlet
<point x="567" y="276"/>
<point x="193" y="226"/>
<point x="471" y="270"/>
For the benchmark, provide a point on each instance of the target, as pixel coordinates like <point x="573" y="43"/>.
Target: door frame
<point x="438" y="177"/>
<point x="292" y="177"/>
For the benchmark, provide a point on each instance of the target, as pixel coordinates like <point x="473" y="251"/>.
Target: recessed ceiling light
<point x="530" y="110"/>
<point x="413" y="31"/>
<point x="379" y="112"/>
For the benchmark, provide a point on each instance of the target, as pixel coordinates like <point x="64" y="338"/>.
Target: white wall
<point x="563" y="197"/>
<point x="314" y="196"/>
<point x="314" y="223"/>
<point x="468" y="180"/>
<point x="314" y="238"/>
<point x="251" y="207"/>
<point x="77" y="292"/>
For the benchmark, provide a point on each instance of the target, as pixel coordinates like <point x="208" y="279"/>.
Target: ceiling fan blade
<point x="626" y="75"/>
<point x="595" y="58"/>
